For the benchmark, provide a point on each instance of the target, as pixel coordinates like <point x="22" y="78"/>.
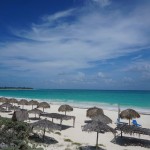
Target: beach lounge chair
<point x="134" y="122"/>
<point x="120" y="122"/>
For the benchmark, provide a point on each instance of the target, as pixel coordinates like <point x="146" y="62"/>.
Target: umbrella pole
<point x="43" y="109"/>
<point x="32" y="106"/>
<point x="129" y="121"/>
<point x="65" y="112"/>
<point x="43" y="134"/>
<point x="118" y="112"/>
<point x="97" y="141"/>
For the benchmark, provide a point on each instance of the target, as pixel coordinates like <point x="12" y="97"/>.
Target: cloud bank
<point x="74" y="40"/>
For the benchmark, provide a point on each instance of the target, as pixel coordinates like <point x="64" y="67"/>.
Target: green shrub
<point x="67" y="140"/>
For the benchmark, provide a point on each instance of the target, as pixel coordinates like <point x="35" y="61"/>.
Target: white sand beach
<point x="77" y="136"/>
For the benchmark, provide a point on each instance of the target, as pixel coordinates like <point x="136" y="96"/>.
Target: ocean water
<point x="85" y="98"/>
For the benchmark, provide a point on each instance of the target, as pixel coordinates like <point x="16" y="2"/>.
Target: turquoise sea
<point x="85" y="98"/>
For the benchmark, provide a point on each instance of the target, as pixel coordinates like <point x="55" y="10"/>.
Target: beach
<point x="77" y="137"/>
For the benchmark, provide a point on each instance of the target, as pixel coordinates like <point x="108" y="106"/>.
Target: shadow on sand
<point x="34" y="118"/>
<point x="64" y="127"/>
<point x="47" y="140"/>
<point x="6" y="111"/>
<point x="90" y="148"/>
<point x="131" y="141"/>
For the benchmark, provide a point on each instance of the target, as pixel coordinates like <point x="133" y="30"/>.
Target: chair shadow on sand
<point x="47" y="140"/>
<point x="90" y="148"/>
<point x="131" y="141"/>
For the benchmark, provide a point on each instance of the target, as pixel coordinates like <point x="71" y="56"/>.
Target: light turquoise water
<point x="140" y="99"/>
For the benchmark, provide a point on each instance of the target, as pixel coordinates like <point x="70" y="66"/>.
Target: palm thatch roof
<point x="3" y="99"/>
<point x="57" y="116"/>
<point x="94" y="111"/>
<point x="128" y="129"/>
<point x="7" y="105"/>
<point x="13" y="100"/>
<point x="35" y="111"/>
<point x="23" y="102"/>
<point x="61" y="117"/>
<point x="45" y="124"/>
<point x="33" y="102"/>
<point x="20" y="115"/>
<point x="43" y="105"/>
<point x="100" y="118"/>
<point x="14" y="108"/>
<point x="98" y="127"/>
<point x="129" y="114"/>
<point x="2" y="109"/>
<point x="65" y="108"/>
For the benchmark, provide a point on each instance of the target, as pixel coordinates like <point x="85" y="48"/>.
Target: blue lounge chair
<point x="120" y="122"/>
<point x="134" y="122"/>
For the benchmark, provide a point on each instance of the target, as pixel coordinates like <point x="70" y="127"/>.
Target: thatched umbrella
<point x="13" y="100"/>
<point x="43" y="105"/>
<point x="14" y="108"/>
<point x="35" y="111"/>
<point x="65" y="108"/>
<point x="129" y="114"/>
<point x="2" y="109"/>
<point x="33" y="102"/>
<point x="23" y="102"/>
<point x="102" y="118"/>
<point x="98" y="127"/>
<point x="20" y="115"/>
<point x="94" y="111"/>
<point x="3" y="99"/>
<point x="7" y="105"/>
<point x="45" y="124"/>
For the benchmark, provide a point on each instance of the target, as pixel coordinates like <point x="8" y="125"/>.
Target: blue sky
<point x="77" y="44"/>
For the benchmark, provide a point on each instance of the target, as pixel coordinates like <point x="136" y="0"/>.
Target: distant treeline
<point x="18" y="88"/>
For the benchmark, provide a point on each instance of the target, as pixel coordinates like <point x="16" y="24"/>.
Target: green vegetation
<point x="58" y="133"/>
<point x="14" y="135"/>
<point x="67" y="140"/>
<point x="76" y="143"/>
<point x="15" y="88"/>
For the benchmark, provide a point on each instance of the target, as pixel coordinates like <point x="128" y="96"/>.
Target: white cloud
<point x="128" y="80"/>
<point x="101" y="75"/>
<point x="139" y="66"/>
<point x="80" y="76"/>
<point x="103" y="3"/>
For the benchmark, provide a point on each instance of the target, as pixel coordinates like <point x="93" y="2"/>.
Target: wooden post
<point x="60" y="121"/>
<point x="73" y="122"/>
<point x="121" y="133"/>
<point x="97" y="141"/>
<point x="43" y="134"/>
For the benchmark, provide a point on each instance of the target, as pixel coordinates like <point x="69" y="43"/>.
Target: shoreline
<point x="86" y="105"/>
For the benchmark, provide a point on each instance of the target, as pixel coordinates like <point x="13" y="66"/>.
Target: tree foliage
<point x="14" y="134"/>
